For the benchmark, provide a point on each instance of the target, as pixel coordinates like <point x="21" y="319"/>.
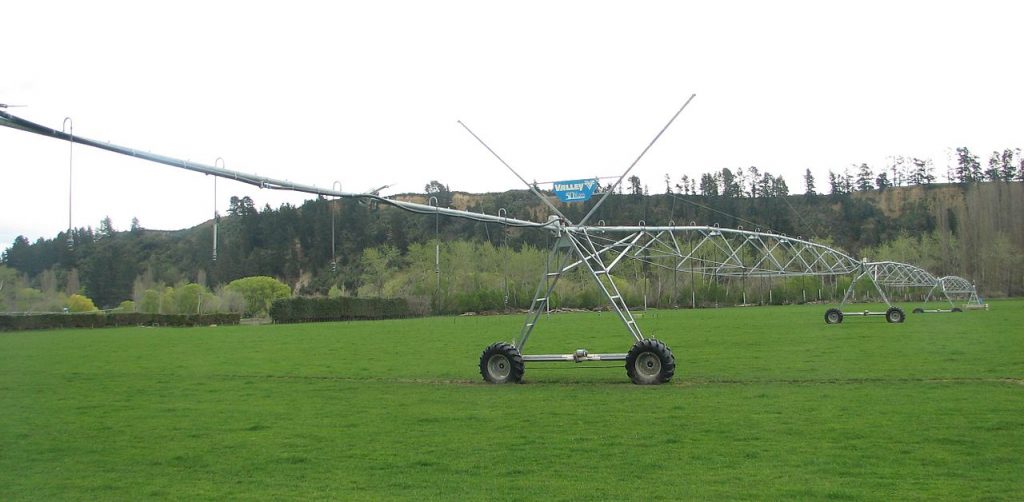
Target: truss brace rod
<point x="631" y="166"/>
<point x="850" y="289"/>
<point x="600" y="251"/>
<point x="878" y="287"/>
<point x="532" y="189"/>
<point x="559" y="255"/>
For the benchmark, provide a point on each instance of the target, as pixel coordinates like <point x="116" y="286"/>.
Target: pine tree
<point x="896" y="166"/>
<point x="993" y="172"/>
<point x="835" y="183"/>
<point x="683" y="187"/>
<point x="635" y="187"/>
<point x="708" y="185"/>
<point x="809" y="183"/>
<point x="1008" y="170"/>
<point x="779" y="187"/>
<point x="882" y="181"/>
<point x="106" y="228"/>
<point x="730" y="188"/>
<point x="968" y="168"/>
<point x="864" y="178"/>
<point x="765" y="186"/>
<point x="922" y="171"/>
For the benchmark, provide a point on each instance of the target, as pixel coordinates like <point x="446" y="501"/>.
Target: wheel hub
<point x="648" y="364"/>
<point x="498" y="366"/>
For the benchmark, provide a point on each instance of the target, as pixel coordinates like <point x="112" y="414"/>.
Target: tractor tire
<point x="833" y="316"/>
<point x="650" y="362"/>
<point x="502" y="363"/>
<point x="895" y="315"/>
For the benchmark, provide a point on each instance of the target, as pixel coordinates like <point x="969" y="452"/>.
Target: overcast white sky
<point x="368" y="93"/>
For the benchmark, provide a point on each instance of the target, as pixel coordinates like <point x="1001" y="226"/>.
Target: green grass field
<point x="767" y="403"/>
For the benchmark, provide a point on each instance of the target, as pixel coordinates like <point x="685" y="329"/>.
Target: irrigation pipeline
<point x="14" y="122"/>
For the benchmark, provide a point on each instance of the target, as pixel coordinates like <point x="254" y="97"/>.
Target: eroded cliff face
<point x="977" y="229"/>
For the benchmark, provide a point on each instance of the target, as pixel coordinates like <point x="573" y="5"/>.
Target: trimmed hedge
<point x="337" y="309"/>
<point x="101" y="320"/>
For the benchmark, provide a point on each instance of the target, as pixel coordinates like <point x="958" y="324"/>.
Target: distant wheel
<point x="957" y="309"/>
<point x="502" y="363"/>
<point x="650" y="362"/>
<point x="833" y="316"/>
<point x="895" y="314"/>
<point x="918" y="310"/>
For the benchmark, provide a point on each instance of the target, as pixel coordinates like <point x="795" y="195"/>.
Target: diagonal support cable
<point x="528" y="185"/>
<point x="631" y="166"/>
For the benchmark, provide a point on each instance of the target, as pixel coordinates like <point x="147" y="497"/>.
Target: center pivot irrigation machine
<point x="598" y="249"/>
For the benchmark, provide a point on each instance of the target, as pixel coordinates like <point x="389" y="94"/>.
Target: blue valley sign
<point x="575" y="190"/>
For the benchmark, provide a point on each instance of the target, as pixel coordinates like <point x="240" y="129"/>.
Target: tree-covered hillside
<point x="974" y="230"/>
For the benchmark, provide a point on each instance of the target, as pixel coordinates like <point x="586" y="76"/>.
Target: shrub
<point x="100" y="320"/>
<point x="79" y="303"/>
<point x="304" y="309"/>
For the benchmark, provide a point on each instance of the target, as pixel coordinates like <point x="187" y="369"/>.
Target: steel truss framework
<point x="891" y="274"/>
<point x="709" y="251"/>
<point x="954" y="289"/>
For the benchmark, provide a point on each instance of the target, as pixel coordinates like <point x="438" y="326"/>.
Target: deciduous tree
<point x="80" y="303"/>
<point x="259" y="292"/>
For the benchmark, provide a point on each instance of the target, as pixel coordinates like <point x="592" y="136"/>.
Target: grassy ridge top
<point x="767" y="403"/>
